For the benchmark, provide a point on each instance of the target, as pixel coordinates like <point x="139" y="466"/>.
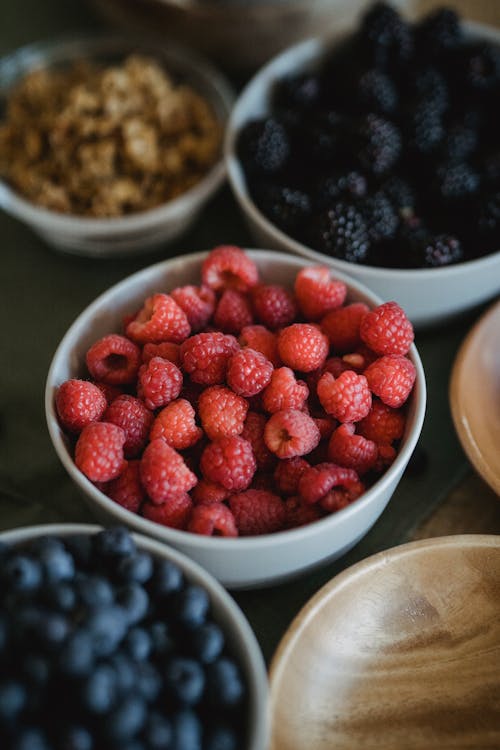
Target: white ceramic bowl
<point x="134" y="233"/>
<point x="430" y="295"/>
<point x="240" y="637"/>
<point x="248" y="561"/>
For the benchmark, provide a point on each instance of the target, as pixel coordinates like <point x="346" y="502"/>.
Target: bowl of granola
<point x="108" y="145"/>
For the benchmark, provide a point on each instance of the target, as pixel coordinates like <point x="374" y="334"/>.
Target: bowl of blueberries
<point x="377" y="151"/>
<point x="113" y="640"/>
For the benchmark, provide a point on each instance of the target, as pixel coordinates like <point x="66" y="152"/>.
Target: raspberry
<point x="160" y="319"/>
<point x="347" y="398"/>
<point x="303" y="347"/>
<point x="78" y="403"/>
<point x="126" y="489"/>
<point x="212" y="520"/>
<point x="382" y="424"/>
<point x="135" y="420"/>
<point x="176" y="425"/>
<point x="386" y="456"/>
<point x="175" y="513"/>
<point x="110" y="392"/>
<point x="222" y="412"/>
<point x="287" y="474"/>
<point x="233" y="312"/>
<point x="249" y="372"/>
<point x="205" y="356"/>
<point x="325" y="425"/>
<point x="165" y="350"/>
<point x="229" y="461"/>
<point x="208" y="493"/>
<point x="228" y="267"/>
<point x="253" y="431"/>
<point x="99" y="451"/>
<point x="114" y="360"/>
<point x="160" y="382"/>
<point x="352" y="451"/>
<point x="164" y="473"/>
<point x="335" y="365"/>
<point x="391" y="378"/>
<point x="387" y="330"/>
<point x="317" y="481"/>
<point x="299" y="513"/>
<point x="284" y="391"/>
<point x="317" y="292"/>
<point x="342" y="326"/>
<point x="273" y="305"/>
<point x="291" y="433"/>
<point x="257" y="512"/>
<point x="262" y="340"/>
<point x="198" y="303"/>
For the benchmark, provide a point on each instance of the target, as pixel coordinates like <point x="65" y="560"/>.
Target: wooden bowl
<point x="399" y="651"/>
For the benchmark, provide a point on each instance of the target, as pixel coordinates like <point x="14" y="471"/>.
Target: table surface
<point x="42" y="292"/>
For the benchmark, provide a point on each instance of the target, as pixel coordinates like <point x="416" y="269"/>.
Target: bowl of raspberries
<point x="251" y="410"/>
<point x="377" y="149"/>
<point x="113" y="640"/>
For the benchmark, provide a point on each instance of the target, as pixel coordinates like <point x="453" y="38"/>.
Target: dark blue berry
<point x="190" y="606"/>
<point x="225" y="688"/>
<point x="80" y="546"/>
<point x="157" y="731"/>
<point x="61" y="596"/>
<point x="187" y="731"/>
<point x="114" y="542"/>
<point x="22" y="573"/>
<point x="4" y="634"/>
<point x="125" y="671"/>
<point x="184" y="680"/>
<point x="221" y="738"/>
<point x="76" y="657"/>
<point x="134" y="601"/>
<point x="94" y="591"/>
<point x="107" y="626"/>
<point x="126" y="720"/>
<point x="136" y="568"/>
<point x="53" y="629"/>
<point x="207" y="642"/>
<point x="148" y="681"/>
<point x="99" y="690"/>
<point x="167" y="578"/>
<point x="76" y="738"/>
<point x="57" y="564"/>
<point x="138" y="643"/>
<point x="13" y="699"/>
<point x="30" y="738"/>
<point x="36" y="670"/>
<point x="161" y="639"/>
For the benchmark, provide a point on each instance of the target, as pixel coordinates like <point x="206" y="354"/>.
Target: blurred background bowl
<point x="247" y="561"/>
<point x="135" y="232"/>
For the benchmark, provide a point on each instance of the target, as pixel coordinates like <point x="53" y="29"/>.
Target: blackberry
<point x="489" y="218"/>
<point x="287" y="207"/>
<point x="376" y="92"/>
<point x="341" y="232"/>
<point x="456" y="182"/>
<point x="459" y="143"/>
<point x="386" y="38"/>
<point x="324" y="140"/>
<point x="380" y="217"/>
<point x="437" y="33"/>
<point x="348" y="186"/>
<point x="481" y="67"/>
<point x="377" y="144"/>
<point x="424" y="128"/>
<point x="429" y="84"/>
<point x="297" y="92"/>
<point x="400" y="193"/>
<point x="489" y="167"/>
<point x="264" y="146"/>
<point x="440" y="250"/>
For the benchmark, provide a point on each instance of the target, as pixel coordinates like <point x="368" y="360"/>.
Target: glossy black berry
<point x="424" y="130"/>
<point x="341" y="232"/>
<point x="264" y="146"/>
<point x="290" y="209"/>
<point x="184" y="680"/>
<point x="340" y="186"/>
<point x="440" y="250"/>
<point x="400" y="193"/>
<point x="386" y="38"/>
<point x="438" y="33"/>
<point x="377" y="145"/>
<point x="456" y="181"/>
<point x="460" y="142"/>
<point x="300" y="91"/>
<point x="380" y="217"/>
<point x="376" y="92"/>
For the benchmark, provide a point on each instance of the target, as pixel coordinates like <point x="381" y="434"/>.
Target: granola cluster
<point x="106" y="141"/>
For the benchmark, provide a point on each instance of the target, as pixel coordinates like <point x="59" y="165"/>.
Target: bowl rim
<point x="216" y="543"/>
<point x="71" y="47"/>
<point x="251" y="657"/>
<point x="314" y="48"/>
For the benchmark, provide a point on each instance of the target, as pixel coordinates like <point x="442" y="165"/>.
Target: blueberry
<point x="76" y="657"/>
<point x="22" y="573"/>
<point x="148" y="681"/>
<point x="184" y="680"/>
<point x="187" y="731"/>
<point x="60" y="596"/>
<point x="221" y="738"/>
<point x="36" y="669"/>
<point x="53" y="629"/>
<point x="136" y="568"/>
<point x="4" y="634"/>
<point x="138" y="643"/>
<point x="12" y="699"/>
<point x="45" y="544"/>
<point x="126" y="720"/>
<point x="94" y="591"/>
<point x="99" y="690"/>
<point x="225" y="687"/>
<point x="207" y="642"/>
<point x="76" y="738"/>
<point x="30" y="738"/>
<point x="125" y="671"/>
<point x="167" y="578"/>
<point x="134" y="601"/>
<point x="190" y="606"/>
<point x="114" y="542"/>
<point x="57" y="564"/>
<point x="80" y="546"/>
<point x="162" y="641"/>
<point x="107" y="626"/>
<point x="157" y="732"/>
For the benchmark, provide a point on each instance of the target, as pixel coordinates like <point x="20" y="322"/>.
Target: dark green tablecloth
<point x="43" y="291"/>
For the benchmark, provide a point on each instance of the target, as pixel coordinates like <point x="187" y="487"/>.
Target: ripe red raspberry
<point x="342" y="326"/>
<point x="299" y="513"/>
<point x="114" y="360"/>
<point x="274" y="305"/>
<point x="174" y="513"/>
<point x="229" y="267"/>
<point x="78" y="403"/>
<point x="317" y="481"/>
<point x="347" y="398"/>
<point x="284" y="391"/>
<point x="205" y="356"/>
<point x="249" y="372"/>
<point x="257" y="512"/>
<point x="229" y="461"/>
<point x="391" y="378"/>
<point x="176" y="425"/>
<point x="212" y="520"/>
<point x="382" y="424"/>
<point x="387" y="330"/>
<point x="253" y="431"/>
<point x="325" y="425"/>
<point x="317" y="292"/>
<point x="135" y="420"/>
<point x="303" y="347"/>
<point x="352" y="451"/>
<point x="386" y="456"/>
<point x="165" y="350"/>
<point x="233" y="312"/>
<point x="222" y="412"/>
<point x="160" y="319"/>
<point x="160" y="382"/>
<point x="291" y="433"/>
<point x="262" y="340"/>
<point x="198" y="302"/>
<point x="110" y="392"/>
<point x="164" y="474"/>
<point x="99" y="451"/>
<point x="335" y="365"/>
<point x="287" y="474"/>
<point x="208" y="493"/>
<point x="127" y="489"/>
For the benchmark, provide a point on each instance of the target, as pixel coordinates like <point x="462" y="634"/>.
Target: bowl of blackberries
<point x="377" y="151"/>
<point x="109" y="640"/>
